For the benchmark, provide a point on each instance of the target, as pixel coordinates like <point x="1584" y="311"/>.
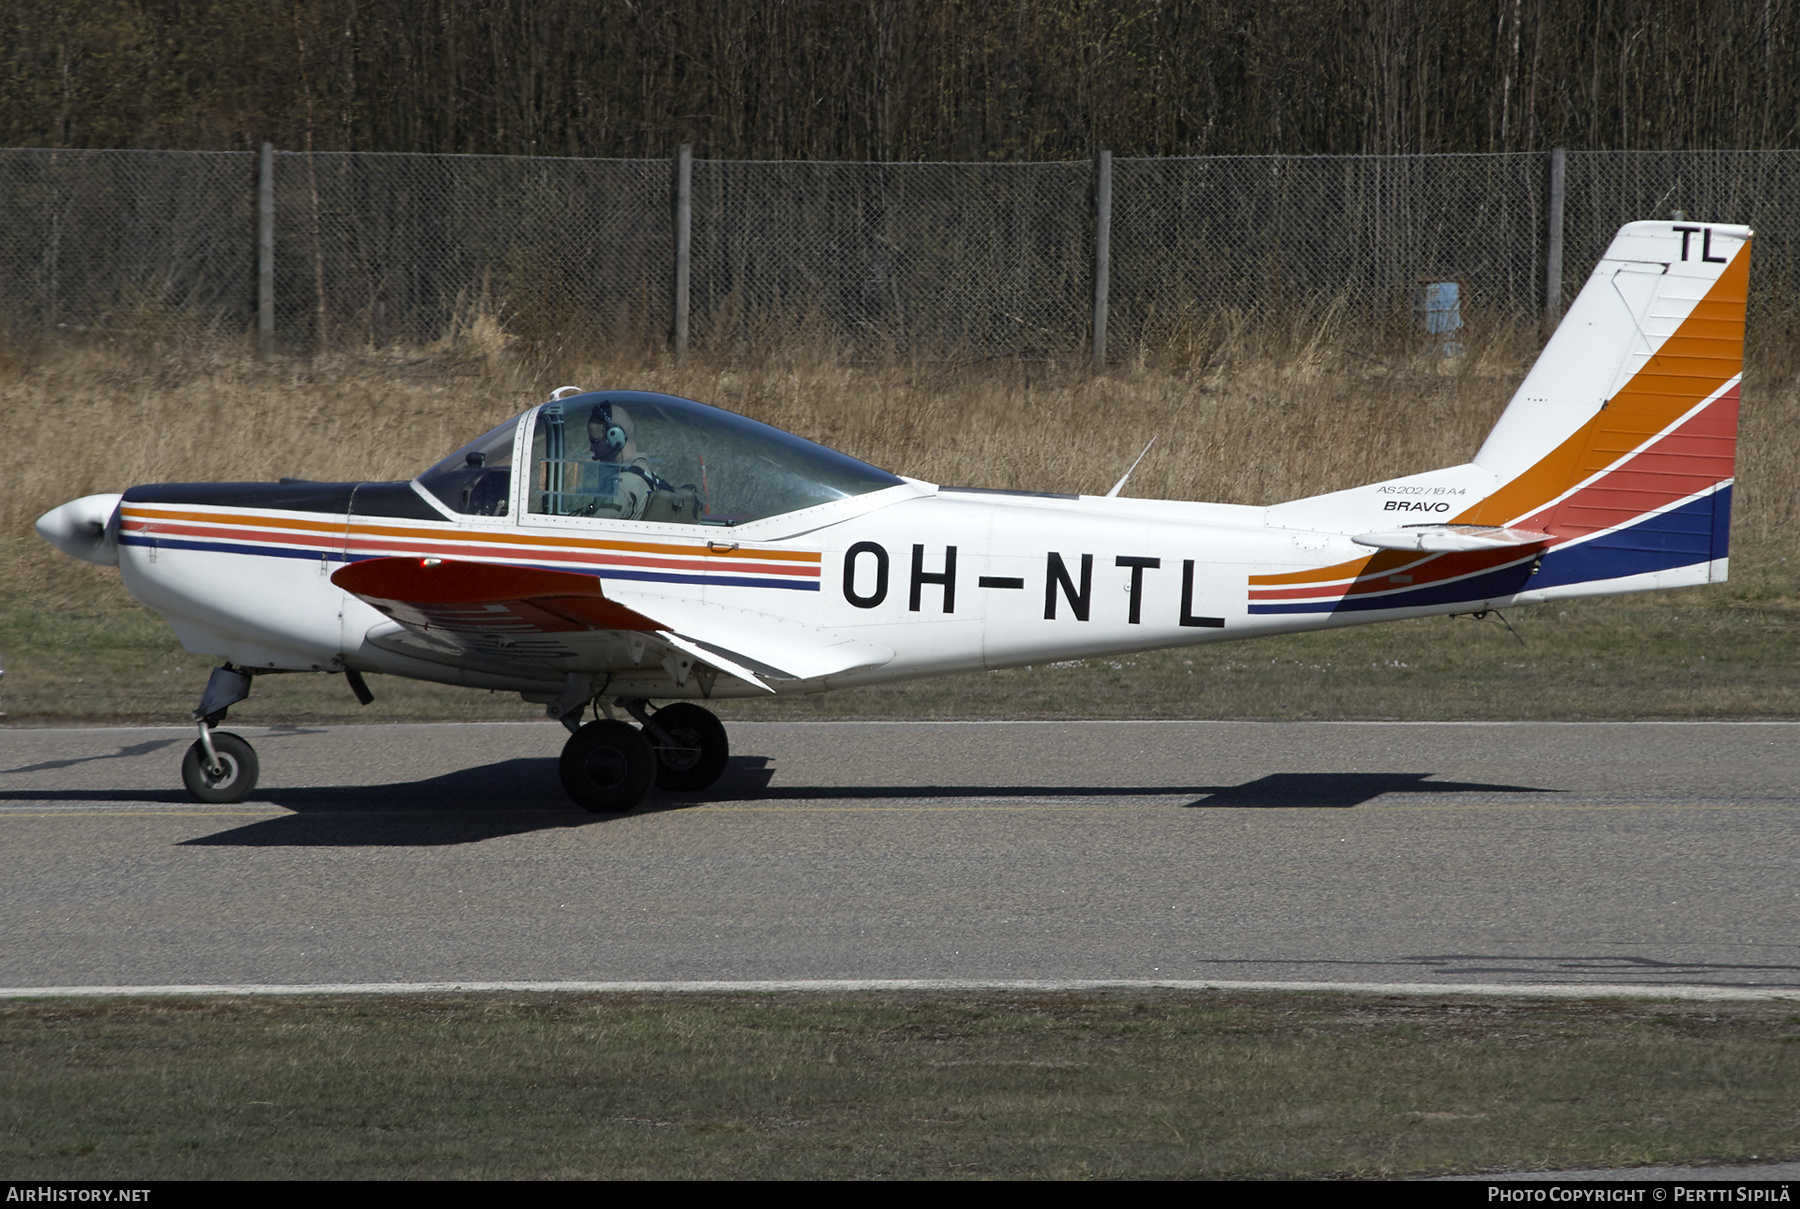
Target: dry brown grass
<point x="1242" y="412"/>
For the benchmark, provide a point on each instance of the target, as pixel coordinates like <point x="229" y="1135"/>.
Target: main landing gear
<point x="608" y="766"/>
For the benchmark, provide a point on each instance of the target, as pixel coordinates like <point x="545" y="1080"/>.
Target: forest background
<point x="883" y="80"/>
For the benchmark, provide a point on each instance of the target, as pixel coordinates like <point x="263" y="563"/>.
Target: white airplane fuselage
<point x="948" y="581"/>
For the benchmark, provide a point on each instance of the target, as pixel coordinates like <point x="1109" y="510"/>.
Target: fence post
<point x="684" y="228"/>
<point x="265" y="254"/>
<point x="1102" y="251"/>
<point x="1553" y="246"/>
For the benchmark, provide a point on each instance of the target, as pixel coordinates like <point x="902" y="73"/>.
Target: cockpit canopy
<point x="633" y="455"/>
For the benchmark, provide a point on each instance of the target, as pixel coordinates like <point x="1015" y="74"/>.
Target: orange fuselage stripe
<point x="261" y="525"/>
<point x="587" y="558"/>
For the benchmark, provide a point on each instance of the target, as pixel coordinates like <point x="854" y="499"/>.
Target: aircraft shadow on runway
<point x="126" y="752"/>
<point x="519" y="796"/>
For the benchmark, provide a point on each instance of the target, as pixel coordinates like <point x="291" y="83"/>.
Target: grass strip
<point x="993" y="1084"/>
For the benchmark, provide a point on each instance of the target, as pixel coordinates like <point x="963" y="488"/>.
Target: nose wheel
<point x="226" y="773"/>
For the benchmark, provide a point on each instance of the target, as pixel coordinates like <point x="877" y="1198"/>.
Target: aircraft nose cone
<point x="83" y="528"/>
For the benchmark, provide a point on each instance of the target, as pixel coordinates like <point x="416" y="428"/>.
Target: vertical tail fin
<point x="1621" y="441"/>
<point x="1610" y="470"/>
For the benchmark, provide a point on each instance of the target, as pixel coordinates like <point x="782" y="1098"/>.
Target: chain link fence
<point x="906" y="258"/>
<point x="378" y="248"/>
<point x="99" y="239"/>
<point x="1758" y="188"/>
<point x="880" y="259"/>
<point x="1257" y="234"/>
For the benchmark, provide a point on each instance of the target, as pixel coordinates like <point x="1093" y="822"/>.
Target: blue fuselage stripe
<point x="173" y="543"/>
<point x="1680" y="537"/>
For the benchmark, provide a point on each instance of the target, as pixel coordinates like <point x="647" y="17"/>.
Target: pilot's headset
<point x="612" y="431"/>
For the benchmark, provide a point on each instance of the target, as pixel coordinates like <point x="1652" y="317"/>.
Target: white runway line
<point x="853" y="985"/>
<point x="845" y="723"/>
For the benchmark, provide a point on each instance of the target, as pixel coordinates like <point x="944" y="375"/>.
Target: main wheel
<point x="607" y="767"/>
<point x="691" y="749"/>
<point x="237" y="770"/>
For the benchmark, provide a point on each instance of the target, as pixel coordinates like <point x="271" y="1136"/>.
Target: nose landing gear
<point x="220" y="766"/>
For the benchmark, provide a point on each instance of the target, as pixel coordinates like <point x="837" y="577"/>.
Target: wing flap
<point x="785" y="649"/>
<point x="747" y="670"/>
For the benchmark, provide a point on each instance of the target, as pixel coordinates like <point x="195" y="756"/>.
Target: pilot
<point x="621" y="482"/>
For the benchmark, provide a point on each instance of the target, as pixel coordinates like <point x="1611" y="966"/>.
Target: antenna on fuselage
<point x="1120" y="485"/>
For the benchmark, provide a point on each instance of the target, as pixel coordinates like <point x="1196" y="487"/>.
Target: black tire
<point x="691" y="749"/>
<point x="607" y="767"/>
<point x="238" y="770"/>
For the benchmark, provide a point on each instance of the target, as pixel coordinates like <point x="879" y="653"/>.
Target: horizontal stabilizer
<point x="1449" y="539"/>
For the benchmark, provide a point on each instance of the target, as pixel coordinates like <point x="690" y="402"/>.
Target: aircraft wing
<point x="469" y="604"/>
<point x="1447" y="539"/>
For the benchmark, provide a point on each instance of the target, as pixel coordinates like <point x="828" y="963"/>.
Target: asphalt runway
<point x="1525" y="853"/>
